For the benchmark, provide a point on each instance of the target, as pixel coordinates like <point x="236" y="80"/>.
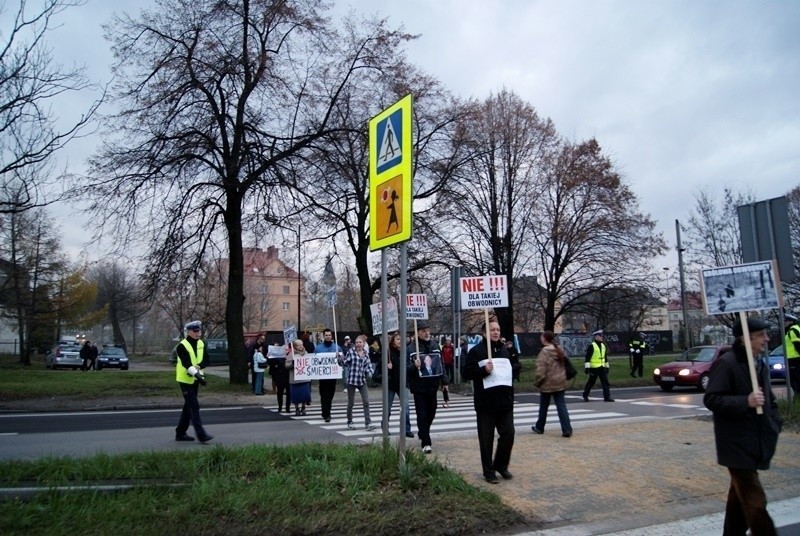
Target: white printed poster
<point x="416" y="307"/>
<point x="485" y="292"/>
<point x="321" y="366"/>
<point x="501" y="375"/>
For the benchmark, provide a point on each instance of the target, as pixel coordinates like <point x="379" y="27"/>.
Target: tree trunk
<point x="234" y="315"/>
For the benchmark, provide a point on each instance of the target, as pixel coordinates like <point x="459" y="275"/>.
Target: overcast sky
<point x="682" y="95"/>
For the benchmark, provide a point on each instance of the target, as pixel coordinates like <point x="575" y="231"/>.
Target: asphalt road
<point x="33" y="435"/>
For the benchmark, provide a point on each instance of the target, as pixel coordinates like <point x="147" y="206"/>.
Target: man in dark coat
<point x="745" y="439"/>
<point x="494" y="405"/>
<point x="422" y="383"/>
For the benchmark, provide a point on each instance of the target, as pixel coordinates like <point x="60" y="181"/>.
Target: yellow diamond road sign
<point x="390" y="196"/>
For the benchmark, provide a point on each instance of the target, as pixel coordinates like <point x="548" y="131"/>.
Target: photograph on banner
<point x="392" y="322"/>
<point x="742" y="287"/>
<point x="290" y="334"/>
<point x="416" y="307"/>
<point x="501" y="375"/>
<point x="484" y="292"/>
<point x="321" y="366"/>
<point x="331" y="296"/>
<point x="276" y="352"/>
<point x="430" y="364"/>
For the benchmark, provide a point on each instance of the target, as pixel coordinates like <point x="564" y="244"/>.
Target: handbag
<point x="569" y="368"/>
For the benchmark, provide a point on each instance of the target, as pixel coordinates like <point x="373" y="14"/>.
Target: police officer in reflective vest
<point x="189" y="374"/>
<point x="792" y="345"/>
<point x="596" y="364"/>
<point x="637" y="347"/>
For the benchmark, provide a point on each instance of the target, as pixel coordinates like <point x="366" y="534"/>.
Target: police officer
<point x="637" y="347"/>
<point x="189" y="374"/>
<point x="596" y="364"/>
<point x="792" y="345"/>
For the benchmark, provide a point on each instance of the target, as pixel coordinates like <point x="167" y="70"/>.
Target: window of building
<point x="286" y="289"/>
<point x="265" y="289"/>
<point x="286" y="323"/>
<point x="286" y="306"/>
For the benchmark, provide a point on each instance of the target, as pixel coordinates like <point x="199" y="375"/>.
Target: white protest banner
<point x="276" y="352"/>
<point x="392" y="322"/>
<point x="484" y="292"/>
<point x="501" y="375"/>
<point x="742" y="287"/>
<point x="416" y="307"/>
<point x="321" y="366"/>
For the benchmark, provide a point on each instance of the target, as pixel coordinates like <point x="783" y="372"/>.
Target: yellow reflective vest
<point x="598" y="358"/>
<point x="792" y="336"/>
<point x="181" y="372"/>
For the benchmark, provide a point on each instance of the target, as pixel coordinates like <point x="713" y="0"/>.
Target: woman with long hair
<point x="393" y="368"/>
<point x="551" y="379"/>
<point x="359" y="369"/>
<point x="299" y="390"/>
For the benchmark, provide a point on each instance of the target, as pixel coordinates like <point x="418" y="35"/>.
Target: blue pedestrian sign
<point x="390" y="135"/>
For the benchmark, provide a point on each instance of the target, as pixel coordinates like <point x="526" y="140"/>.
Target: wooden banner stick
<point x="750" y="362"/>
<point x="488" y="340"/>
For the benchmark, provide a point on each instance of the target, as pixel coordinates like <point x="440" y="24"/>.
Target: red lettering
<point x="472" y="285"/>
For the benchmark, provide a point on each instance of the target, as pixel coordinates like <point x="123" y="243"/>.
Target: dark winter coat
<point x="745" y="440"/>
<point x="500" y="398"/>
<point x="423" y="384"/>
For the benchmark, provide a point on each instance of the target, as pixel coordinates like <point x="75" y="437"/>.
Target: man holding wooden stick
<point x="746" y="426"/>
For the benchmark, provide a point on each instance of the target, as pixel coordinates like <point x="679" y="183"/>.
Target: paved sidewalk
<point x="628" y="476"/>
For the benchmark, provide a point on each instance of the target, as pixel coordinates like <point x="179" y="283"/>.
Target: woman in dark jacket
<point x="745" y="439"/>
<point x="393" y="369"/>
<point x="494" y="405"/>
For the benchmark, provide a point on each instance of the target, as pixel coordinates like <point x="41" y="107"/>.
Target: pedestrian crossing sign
<point x="390" y="195"/>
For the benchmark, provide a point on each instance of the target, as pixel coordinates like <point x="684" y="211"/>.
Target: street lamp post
<point x="299" y="280"/>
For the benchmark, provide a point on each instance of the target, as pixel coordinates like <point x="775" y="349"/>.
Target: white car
<point x="64" y="355"/>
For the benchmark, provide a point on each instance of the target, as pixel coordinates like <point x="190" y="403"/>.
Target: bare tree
<point x="333" y="184"/>
<point x="587" y="232"/>
<point x="490" y="201"/>
<point x="712" y="234"/>
<point x="30" y="80"/>
<point x="218" y="99"/>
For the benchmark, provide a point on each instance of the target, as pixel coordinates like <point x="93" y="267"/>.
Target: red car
<point x="691" y="370"/>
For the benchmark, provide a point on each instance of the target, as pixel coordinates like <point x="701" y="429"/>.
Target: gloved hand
<point x="197" y="375"/>
<point x="586" y="371"/>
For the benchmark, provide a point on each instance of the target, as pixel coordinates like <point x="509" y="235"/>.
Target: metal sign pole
<point x="403" y="357"/>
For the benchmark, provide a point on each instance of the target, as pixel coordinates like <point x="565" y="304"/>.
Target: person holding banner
<point x="327" y="388"/>
<point x="358" y="368"/>
<point x="745" y="440"/>
<point x="424" y="384"/>
<point x="259" y="367"/>
<point x="493" y="399"/>
<point x="299" y="390"/>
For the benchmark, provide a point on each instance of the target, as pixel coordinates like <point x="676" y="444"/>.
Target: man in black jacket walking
<point x="745" y="439"/>
<point x="494" y="405"/>
<point x="424" y="383"/>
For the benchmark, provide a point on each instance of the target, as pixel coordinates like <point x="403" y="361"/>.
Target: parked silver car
<point x="64" y="355"/>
